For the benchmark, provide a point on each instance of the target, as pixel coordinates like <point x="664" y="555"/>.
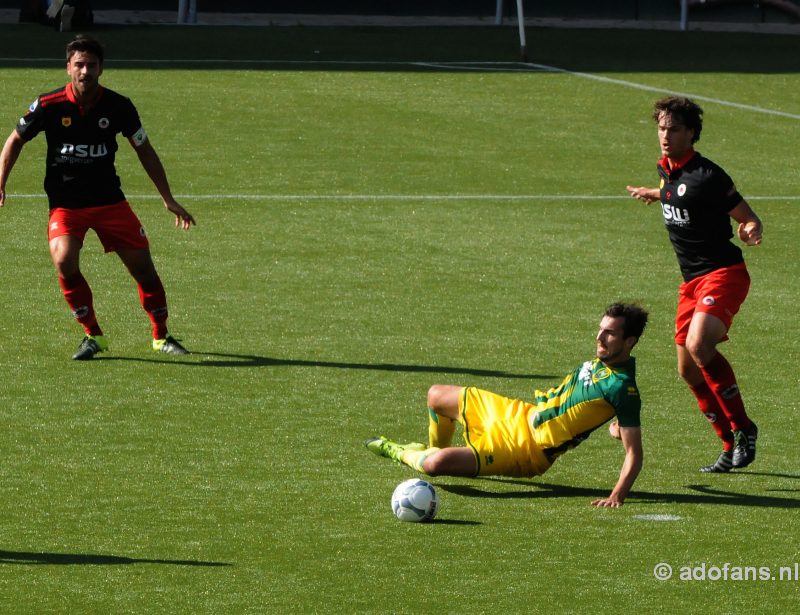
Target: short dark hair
<point x="686" y="111"/>
<point x="634" y="315"/>
<point x="85" y="44"/>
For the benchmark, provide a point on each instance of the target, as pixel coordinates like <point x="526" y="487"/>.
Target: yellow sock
<point x="415" y="459"/>
<point x="440" y="430"/>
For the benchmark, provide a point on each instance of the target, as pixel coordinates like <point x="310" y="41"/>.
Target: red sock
<point x="720" y="377"/>
<point x="707" y="402"/>
<point x="154" y="302"/>
<point x="79" y="298"/>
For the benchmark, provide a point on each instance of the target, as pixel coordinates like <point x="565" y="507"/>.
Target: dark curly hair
<point x="85" y="44"/>
<point x="682" y="109"/>
<point x="634" y="315"/>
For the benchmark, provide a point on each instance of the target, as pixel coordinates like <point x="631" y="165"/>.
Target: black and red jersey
<point x="81" y="145"/>
<point x="696" y="198"/>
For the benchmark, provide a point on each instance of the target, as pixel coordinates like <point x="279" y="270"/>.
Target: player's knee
<point x="434" y="465"/>
<point x="701" y="351"/>
<point x="435" y="394"/>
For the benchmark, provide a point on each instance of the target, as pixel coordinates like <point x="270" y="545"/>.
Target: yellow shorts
<point x="496" y="429"/>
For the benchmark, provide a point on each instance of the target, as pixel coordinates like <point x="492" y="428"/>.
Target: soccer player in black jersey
<point x="80" y="122"/>
<point x="698" y="200"/>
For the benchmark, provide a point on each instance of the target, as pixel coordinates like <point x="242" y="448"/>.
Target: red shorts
<point x="720" y="293"/>
<point x="116" y="225"/>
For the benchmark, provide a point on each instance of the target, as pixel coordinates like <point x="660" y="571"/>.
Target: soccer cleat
<point x="744" y="446"/>
<point x="169" y="345"/>
<point x="383" y="447"/>
<point x="90" y="346"/>
<point x="723" y="464"/>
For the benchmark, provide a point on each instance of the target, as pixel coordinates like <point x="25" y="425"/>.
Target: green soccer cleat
<point x="90" y="346"/>
<point x="383" y="447"/>
<point x="169" y="345"/>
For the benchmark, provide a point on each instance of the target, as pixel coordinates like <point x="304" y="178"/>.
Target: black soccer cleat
<point x="723" y="464"/>
<point x="169" y="345"/>
<point x="744" y="446"/>
<point x="90" y="346"/>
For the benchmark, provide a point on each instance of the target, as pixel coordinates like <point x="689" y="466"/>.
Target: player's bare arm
<point x="155" y="170"/>
<point x="642" y="193"/>
<point x="9" y="155"/>
<point x="750" y="228"/>
<point x="634" y="458"/>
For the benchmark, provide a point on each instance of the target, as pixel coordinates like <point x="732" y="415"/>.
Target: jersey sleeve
<point x="723" y="190"/>
<point x="627" y="404"/>
<point x="130" y="124"/>
<point x="32" y="123"/>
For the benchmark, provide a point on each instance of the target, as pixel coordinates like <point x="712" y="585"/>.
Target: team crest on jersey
<point x="588" y="377"/>
<point x="709" y="300"/>
<point x="681" y="189"/>
<point x="602" y="374"/>
<point x="103" y="122"/>
<point x="66" y="122"/>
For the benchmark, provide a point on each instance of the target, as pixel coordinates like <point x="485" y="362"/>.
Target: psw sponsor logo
<point x="675" y="215"/>
<point x="84" y="151"/>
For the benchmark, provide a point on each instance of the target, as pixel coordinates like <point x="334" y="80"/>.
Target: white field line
<point x="466" y="66"/>
<point x="392" y="197"/>
<point x="649" y="88"/>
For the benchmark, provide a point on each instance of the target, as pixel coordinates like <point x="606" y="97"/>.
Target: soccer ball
<point x="415" y="500"/>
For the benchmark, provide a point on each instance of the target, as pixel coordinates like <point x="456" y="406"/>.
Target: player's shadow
<point x="704" y="494"/>
<point x="88" y="559"/>
<point x="773" y="474"/>
<point x="226" y="360"/>
<point x="221" y="360"/>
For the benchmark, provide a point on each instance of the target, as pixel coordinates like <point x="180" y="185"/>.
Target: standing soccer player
<point x="81" y="121"/>
<point x="698" y="199"/>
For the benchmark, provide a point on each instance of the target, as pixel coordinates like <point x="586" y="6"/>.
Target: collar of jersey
<point x="71" y="94"/>
<point x="678" y="165"/>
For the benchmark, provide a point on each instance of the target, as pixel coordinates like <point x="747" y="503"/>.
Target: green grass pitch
<point x="364" y="231"/>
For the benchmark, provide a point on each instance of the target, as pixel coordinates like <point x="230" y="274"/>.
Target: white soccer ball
<point x="415" y="500"/>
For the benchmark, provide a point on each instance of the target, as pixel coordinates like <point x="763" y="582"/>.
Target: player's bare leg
<point x="442" y="414"/>
<point x="454" y="461"/>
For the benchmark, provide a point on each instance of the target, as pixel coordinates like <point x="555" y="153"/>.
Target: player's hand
<point x="648" y="195"/>
<point x="613" y="430"/>
<point x="609" y="502"/>
<point x="750" y="233"/>
<point x="2" y="197"/>
<point x="183" y="219"/>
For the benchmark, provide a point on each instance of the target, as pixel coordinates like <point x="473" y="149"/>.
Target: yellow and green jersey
<point x="566" y="415"/>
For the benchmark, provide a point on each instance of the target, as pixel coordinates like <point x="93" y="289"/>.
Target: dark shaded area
<point x="723" y="10"/>
<point x="87" y="559"/>
<point x="396" y="48"/>
<point x="704" y="494"/>
<point x="239" y="360"/>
